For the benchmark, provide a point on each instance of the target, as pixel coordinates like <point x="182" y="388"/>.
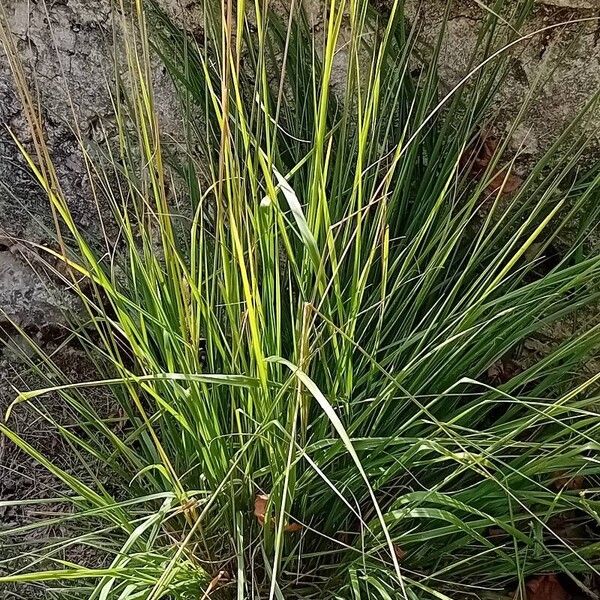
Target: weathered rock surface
<point x="559" y="67"/>
<point x="65" y="46"/>
<point x="28" y="300"/>
<point x="65" y="49"/>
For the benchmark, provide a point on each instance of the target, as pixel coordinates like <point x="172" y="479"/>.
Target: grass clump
<point x="301" y="314"/>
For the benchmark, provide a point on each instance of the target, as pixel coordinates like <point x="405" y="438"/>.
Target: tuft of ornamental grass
<point x="301" y="317"/>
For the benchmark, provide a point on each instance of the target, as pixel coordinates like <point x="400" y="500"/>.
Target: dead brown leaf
<point x="477" y="159"/>
<point x="504" y="182"/>
<point x="221" y="576"/>
<point x="478" y="155"/>
<point x="260" y="506"/>
<point x="546" y="587"/>
<point x="565" y="481"/>
<point x="497" y="535"/>
<point x="568" y="528"/>
<point x="399" y="552"/>
<point x="503" y="370"/>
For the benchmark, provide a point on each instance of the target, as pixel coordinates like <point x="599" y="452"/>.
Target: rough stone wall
<point x="65" y="48"/>
<point x="65" y="45"/>
<point x="561" y="65"/>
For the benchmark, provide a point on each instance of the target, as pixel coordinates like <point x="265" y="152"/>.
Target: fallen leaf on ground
<point x="504" y="182"/>
<point x="497" y="534"/>
<point x="568" y="528"/>
<point x="546" y="587"/>
<point x="221" y="575"/>
<point x="477" y="159"/>
<point x="502" y="371"/>
<point x="478" y="155"/>
<point x="568" y="482"/>
<point x="260" y="506"/>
